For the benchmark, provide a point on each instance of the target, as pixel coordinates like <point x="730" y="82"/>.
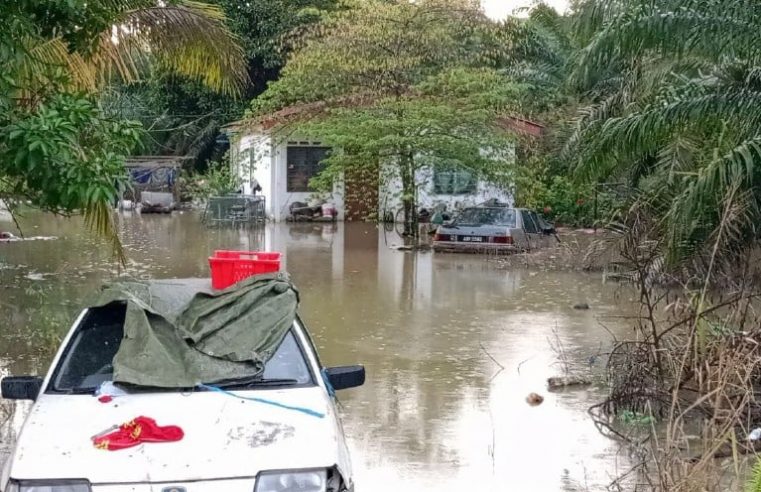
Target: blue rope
<point x="307" y="411"/>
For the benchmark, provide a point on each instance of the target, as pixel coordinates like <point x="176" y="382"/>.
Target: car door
<point x="520" y="238"/>
<point x="530" y="227"/>
<point x="543" y="239"/>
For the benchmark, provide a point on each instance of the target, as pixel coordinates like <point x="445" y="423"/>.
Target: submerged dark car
<point x="493" y="228"/>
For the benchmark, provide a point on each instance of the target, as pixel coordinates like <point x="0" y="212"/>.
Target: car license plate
<point x="472" y="239"/>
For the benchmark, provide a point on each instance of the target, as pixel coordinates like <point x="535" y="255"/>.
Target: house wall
<point x="282" y="198"/>
<point x="260" y="156"/>
<point x="265" y="159"/>
<point x="391" y="191"/>
<point x="253" y="160"/>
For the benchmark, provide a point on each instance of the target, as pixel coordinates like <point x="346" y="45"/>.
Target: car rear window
<point x="88" y="359"/>
<point x="487" y="216"/>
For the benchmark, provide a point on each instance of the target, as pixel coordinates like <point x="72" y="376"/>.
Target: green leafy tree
<point x="675" y="111"/>
<point x="184" y="116"/>
<point x="400" y="86"/>
<point x="543" y="46"/>
<point x="57" y="147"/>
<point x="66" y="157"/>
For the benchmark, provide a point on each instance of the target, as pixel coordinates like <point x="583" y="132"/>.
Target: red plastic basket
<point x="229" y="267"/>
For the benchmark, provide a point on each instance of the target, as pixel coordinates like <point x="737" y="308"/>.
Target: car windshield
<point x="487" y="216"/>
<point x="87" y="362"/>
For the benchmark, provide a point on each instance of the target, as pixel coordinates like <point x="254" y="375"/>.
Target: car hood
<point x="225" y="436"/>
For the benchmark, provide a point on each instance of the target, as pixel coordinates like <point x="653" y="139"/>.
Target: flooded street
<point x="452" y="344"/>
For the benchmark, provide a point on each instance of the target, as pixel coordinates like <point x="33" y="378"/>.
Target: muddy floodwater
<point x="452" y="344"/>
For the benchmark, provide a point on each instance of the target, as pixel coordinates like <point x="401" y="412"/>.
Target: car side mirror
<point x="346" y="376"/>
<point x="20" y="387"/>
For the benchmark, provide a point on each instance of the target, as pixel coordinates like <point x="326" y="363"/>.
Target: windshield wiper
<point x="252" y="382"/>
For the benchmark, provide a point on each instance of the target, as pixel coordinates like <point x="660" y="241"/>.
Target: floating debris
<point x="755" y="434"/>
<point x="7" y="237"/>
<point x="534" y="399"/>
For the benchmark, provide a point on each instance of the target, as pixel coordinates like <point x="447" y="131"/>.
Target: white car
<point x="280" y="433"/>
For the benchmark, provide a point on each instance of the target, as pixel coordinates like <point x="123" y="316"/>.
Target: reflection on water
<point x="452" y="345"/>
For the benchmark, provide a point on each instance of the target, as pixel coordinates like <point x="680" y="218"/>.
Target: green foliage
<point x="561" y="199"/>
<point x="57" y="147"/>
<point x="568" y="204"/>
<point x="379" y="48"/>
<point x="630" y="417"/>
<point x="405" y="84"/>
<point x="78" y="37"/>
<point x="674" y="111"/>
<point x="449" y="126"/>
<point x="265" y="27"/>
<point x="66" y="157"/>
<point x="754" y="482"/>
<point x="540" y="50"/>
<point x="184" y="116"/>
<point x="218" y="179"/>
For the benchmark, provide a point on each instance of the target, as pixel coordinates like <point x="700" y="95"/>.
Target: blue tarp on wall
<point x="156" y="178"/>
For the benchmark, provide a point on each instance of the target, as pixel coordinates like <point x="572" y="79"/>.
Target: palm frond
<point x="739" y="165"/>
<point x="715" y="30"/>
<point x="678" y="156"/>
<point x="644" y="132"/>
<point x="99" y="218"/>
<point x="42" y="63"/>
<point x="188" y="38"/>
<point x="591" y="16"/>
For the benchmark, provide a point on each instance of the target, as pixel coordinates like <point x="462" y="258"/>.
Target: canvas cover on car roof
<point x="180" y="333"/>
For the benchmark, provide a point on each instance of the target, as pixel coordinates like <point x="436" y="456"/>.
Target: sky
<point x="499" y="9"/>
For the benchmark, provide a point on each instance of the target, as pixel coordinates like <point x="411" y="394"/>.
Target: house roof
<point x="281" y="117"/>
<point x="289" y="113"/>
<point x="522" y="126"/>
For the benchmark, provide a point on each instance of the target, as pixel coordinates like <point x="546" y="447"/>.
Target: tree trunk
<point x="409" y="196"/>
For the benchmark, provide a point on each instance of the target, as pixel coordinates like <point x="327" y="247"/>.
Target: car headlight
<point x="292" y="481"/>
<point x="49" y="486"/>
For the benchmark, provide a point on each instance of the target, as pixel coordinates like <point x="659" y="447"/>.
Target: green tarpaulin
<point x="179" y="333"/>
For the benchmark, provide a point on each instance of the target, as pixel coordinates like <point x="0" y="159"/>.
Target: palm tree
<point x="124" y="38"/>
<point x="676" y="91"/>
<point x="52" y="52"/>
<point x="538" y="52"/>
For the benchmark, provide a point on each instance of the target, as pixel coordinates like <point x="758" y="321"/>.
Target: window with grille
<point x="303" y="164"/>
<point x="453" y="182"/>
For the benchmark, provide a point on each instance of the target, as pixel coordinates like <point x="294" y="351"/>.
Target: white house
<point x="283" y="168"/>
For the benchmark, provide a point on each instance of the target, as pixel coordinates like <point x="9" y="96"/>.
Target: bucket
<point x="328" y="210"/>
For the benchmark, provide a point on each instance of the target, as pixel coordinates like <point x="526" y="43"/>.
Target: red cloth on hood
<point x="137" y="431"/>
